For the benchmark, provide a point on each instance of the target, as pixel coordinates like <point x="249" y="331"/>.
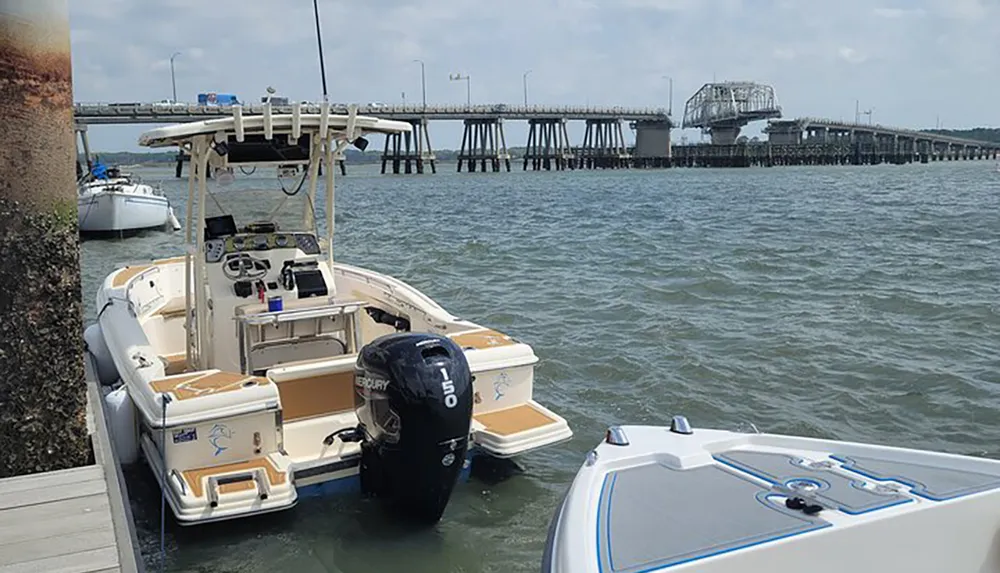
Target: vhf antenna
<point x="319" y="43"/>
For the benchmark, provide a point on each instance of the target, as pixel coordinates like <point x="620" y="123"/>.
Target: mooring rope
<point x="163" y="486"/>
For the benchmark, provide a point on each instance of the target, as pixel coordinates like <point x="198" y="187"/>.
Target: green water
<point x="856" y="303"/>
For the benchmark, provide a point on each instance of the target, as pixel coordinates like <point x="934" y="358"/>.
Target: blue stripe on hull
<point x="352" y="484"/>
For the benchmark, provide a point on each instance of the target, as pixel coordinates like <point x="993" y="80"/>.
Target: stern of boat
<point x="506" y="420"/>
<point x="217" y="448"/>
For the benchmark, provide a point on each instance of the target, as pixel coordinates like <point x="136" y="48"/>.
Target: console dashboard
<point x="217" y="248"/>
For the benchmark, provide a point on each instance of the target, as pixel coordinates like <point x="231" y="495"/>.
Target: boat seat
<point x="513" y="420"/>
<point x="304" y="329"/>
<point x="174" y="363"/>
<point x="239" y="476"/>
<point x="173" y="308"/>
<point x="315" y="388"/>
<point x="205" y="383"/>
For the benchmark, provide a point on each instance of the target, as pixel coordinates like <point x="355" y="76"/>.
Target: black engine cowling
<point x="413" y="397"/>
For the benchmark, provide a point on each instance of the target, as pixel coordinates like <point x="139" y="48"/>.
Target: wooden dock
<point x="70" y="521"/>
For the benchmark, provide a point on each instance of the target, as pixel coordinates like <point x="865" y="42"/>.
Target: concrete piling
<point x="43" y="396"/>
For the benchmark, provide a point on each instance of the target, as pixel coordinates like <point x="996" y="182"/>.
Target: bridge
<point x="484" y="143"/>
<point x="816" y="141"/>
<point x="721" y="111"/>
<point x="817" y="130"/>
<point x="130" y="113"/>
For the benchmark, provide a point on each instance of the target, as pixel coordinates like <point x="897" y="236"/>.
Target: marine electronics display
<point x="256" y="150"/>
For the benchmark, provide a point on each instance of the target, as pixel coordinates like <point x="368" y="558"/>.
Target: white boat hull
<point x="650" y="499"/>
<point x="112" y="211"/>
<point x="290" y="409"/>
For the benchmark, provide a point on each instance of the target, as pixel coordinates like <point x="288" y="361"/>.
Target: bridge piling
<point x="548" y="145"/>
<point x="652" y="144"/>
<point x="604" y="145"/>
<point x="409" y="150"/>
<point x="483" y="141"/>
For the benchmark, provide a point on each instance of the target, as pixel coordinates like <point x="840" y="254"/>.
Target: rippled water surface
<point x="857" y="303"/>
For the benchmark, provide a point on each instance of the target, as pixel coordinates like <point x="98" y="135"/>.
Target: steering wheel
<point x="244" y="266"/>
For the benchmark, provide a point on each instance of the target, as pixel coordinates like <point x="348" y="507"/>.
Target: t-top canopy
<point x="289" y="123"/>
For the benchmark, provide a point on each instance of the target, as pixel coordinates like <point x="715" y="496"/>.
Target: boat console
<point x="259" y="259"/>
<point x="261" y="269"/>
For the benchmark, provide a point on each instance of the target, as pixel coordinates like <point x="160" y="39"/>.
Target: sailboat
<point x="112" y="201"/>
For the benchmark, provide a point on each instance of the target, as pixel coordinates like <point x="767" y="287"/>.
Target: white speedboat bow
<point x="671" y="499"/>
<point x="109" y="201"/>
<point x="255" y="365"/>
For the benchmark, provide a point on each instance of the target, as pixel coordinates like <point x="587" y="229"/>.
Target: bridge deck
<point x="805" y="123"/>
<point x="107" y="113"/>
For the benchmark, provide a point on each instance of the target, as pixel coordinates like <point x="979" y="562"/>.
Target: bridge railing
<point x="501" y="110"/>
<point x="805" y="122"/>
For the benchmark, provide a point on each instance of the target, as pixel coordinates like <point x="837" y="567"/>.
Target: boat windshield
<point x="267" y="194"/>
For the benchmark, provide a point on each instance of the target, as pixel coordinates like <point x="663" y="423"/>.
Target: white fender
<point x="121" y="424"/>
<point x="107" y="373"/>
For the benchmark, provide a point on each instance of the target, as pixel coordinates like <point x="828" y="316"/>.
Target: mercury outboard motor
<point x="413" y="397"/>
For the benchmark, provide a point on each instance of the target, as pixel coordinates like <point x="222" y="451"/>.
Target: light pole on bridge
<point x="468" y="86"/>
<point x="173" y="79"/>
<point x="524" y="80"/>
<point x="423" y="82"/>
<point x="670" y="95"/>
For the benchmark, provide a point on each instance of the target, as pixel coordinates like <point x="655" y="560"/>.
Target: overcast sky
<point x="911" y="60"/>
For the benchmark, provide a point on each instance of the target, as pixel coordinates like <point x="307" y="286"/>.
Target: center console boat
<point x="253" y="365"/>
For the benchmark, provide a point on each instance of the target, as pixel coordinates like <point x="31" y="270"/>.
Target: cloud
<point x="851" y="55"/>
<point x="661" y="5"/>
<point x="783" y="53"/>
<point x="969" y="10"/>
<point x="896" y="13"/>
<point x="904" y="58"/>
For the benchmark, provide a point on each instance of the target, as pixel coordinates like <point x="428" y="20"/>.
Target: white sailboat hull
<point x="111" y="211"/>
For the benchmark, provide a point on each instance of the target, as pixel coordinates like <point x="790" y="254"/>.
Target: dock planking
<point x="75" y="520"/>
<point x="57" y="521"/>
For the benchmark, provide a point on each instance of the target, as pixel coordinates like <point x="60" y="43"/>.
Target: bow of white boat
<point x="656" y="499"/>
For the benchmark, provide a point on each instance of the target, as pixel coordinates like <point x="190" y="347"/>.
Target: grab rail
<point x="259" y="320"/>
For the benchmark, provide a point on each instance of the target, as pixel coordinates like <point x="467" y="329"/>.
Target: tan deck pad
<point x="195" y="477"/>
<point x="482" y="339"/>
<point x="198" y="384"/>
<point x="175" y="363"/>
<point x="513" y="420"/>
<point x="128" y="273"/>
<point x="235" y="486"/>
<point x="316" y="395"/>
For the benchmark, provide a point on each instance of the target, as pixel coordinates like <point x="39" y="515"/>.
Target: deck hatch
<point x="834" y="489"/>
<point x="932" y="482"/>
<point x="677" y="503"/>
